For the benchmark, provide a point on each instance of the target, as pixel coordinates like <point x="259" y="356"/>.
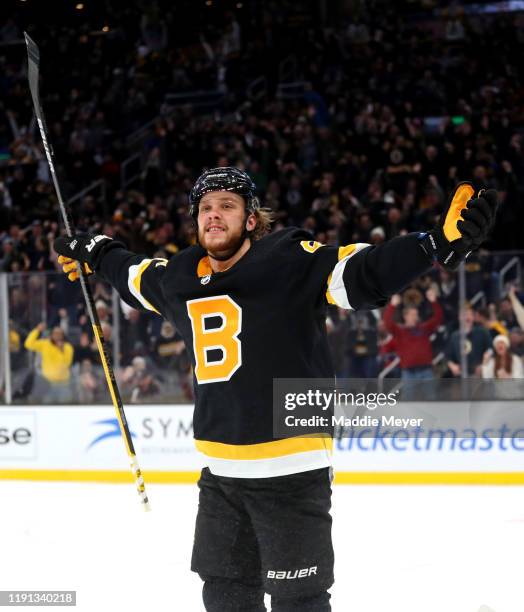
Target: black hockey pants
<point x="264" y="535"/>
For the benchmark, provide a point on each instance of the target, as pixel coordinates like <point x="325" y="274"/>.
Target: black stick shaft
<point x="33" y="56"/>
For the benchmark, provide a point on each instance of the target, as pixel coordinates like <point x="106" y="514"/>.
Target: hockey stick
<point x="33" y="59"/>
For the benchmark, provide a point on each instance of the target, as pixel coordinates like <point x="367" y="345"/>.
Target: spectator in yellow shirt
<point x="57" y="358"/>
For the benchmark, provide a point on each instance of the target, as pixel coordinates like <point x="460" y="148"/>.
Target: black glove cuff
<point x="429" y="245"/>
<point x="102" y="251"/>
<point x="437" y="248"/>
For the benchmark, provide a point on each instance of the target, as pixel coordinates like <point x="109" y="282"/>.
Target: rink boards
<point x="83" y="443"/>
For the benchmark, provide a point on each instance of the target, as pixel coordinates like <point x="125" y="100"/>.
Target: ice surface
<point x="398" y="549"/>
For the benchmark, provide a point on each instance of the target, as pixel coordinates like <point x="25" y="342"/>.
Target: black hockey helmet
<point x="228" y="178"/>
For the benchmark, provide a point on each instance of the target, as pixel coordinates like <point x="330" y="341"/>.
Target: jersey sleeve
<point x="360" y="276"/>
<point x="137" y="279"/>
<point x="376" y="273"/>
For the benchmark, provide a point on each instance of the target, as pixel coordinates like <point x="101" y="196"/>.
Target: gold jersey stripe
<point x="135" y="280"/>
<point x="329" y="297"/>
<point x="343" y="251"/>
<point x="264" y="450"/>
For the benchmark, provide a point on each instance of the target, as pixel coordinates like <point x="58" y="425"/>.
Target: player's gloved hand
<point x="86" y="249"/>
<point x="464" y="225"/>
<point x="70" y="267"/>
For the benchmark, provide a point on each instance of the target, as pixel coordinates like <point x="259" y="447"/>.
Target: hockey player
<point x="251" y="308"/>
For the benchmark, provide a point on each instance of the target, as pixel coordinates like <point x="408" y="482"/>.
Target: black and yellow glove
<point x="70" y="267"/>
<point x="464" y="225"/>
<point x="84" y="249"/>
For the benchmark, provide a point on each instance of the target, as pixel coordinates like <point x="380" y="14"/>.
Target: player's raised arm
<point x="135" y="277"/>
<point x="369" y="276"/>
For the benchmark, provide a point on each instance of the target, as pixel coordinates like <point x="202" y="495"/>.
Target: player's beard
<point x="226" y="248"/>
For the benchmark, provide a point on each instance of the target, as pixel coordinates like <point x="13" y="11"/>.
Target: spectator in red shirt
<point x="412" y="343"/>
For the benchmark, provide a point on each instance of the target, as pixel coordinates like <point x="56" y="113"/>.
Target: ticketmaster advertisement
<point x="393" y="426"/>
<point x="370" y="444"/>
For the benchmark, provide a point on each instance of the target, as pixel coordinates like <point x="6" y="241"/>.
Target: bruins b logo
<point x="217" y="349"/>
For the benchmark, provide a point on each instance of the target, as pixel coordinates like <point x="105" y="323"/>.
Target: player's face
<point x="222" y="220"/>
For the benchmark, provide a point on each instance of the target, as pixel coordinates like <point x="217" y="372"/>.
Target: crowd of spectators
<point x="391" y="111"/>
<point x="412" y="337"/>
<point x="391" y="106"/>
<point x="58" y="361"/>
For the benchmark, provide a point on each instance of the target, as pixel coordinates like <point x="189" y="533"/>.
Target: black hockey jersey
<point x="263" y="318"/>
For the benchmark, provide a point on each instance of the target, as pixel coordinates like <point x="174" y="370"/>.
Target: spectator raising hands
<point x="411" y="338"/>
<point x="57" y="357"/>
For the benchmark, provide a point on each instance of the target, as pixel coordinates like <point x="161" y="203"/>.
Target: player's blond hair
<point x="265" y="218"/>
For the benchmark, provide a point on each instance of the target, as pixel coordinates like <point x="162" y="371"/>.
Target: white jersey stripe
<point x="133" y="282"/>
<point x="267" y="468"/>
<point x="336" y="286"/>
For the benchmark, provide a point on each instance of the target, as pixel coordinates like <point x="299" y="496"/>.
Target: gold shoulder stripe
<point x="344" y="251"/>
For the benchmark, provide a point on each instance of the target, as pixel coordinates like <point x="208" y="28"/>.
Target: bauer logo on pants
<point x="292" y="574"/>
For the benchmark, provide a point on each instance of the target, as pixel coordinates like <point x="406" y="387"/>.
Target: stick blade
<point x="33" y="68"/>
<point x="33" y="53"/>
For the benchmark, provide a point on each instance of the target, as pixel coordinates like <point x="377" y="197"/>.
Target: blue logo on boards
<point x="112" y="432"/>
